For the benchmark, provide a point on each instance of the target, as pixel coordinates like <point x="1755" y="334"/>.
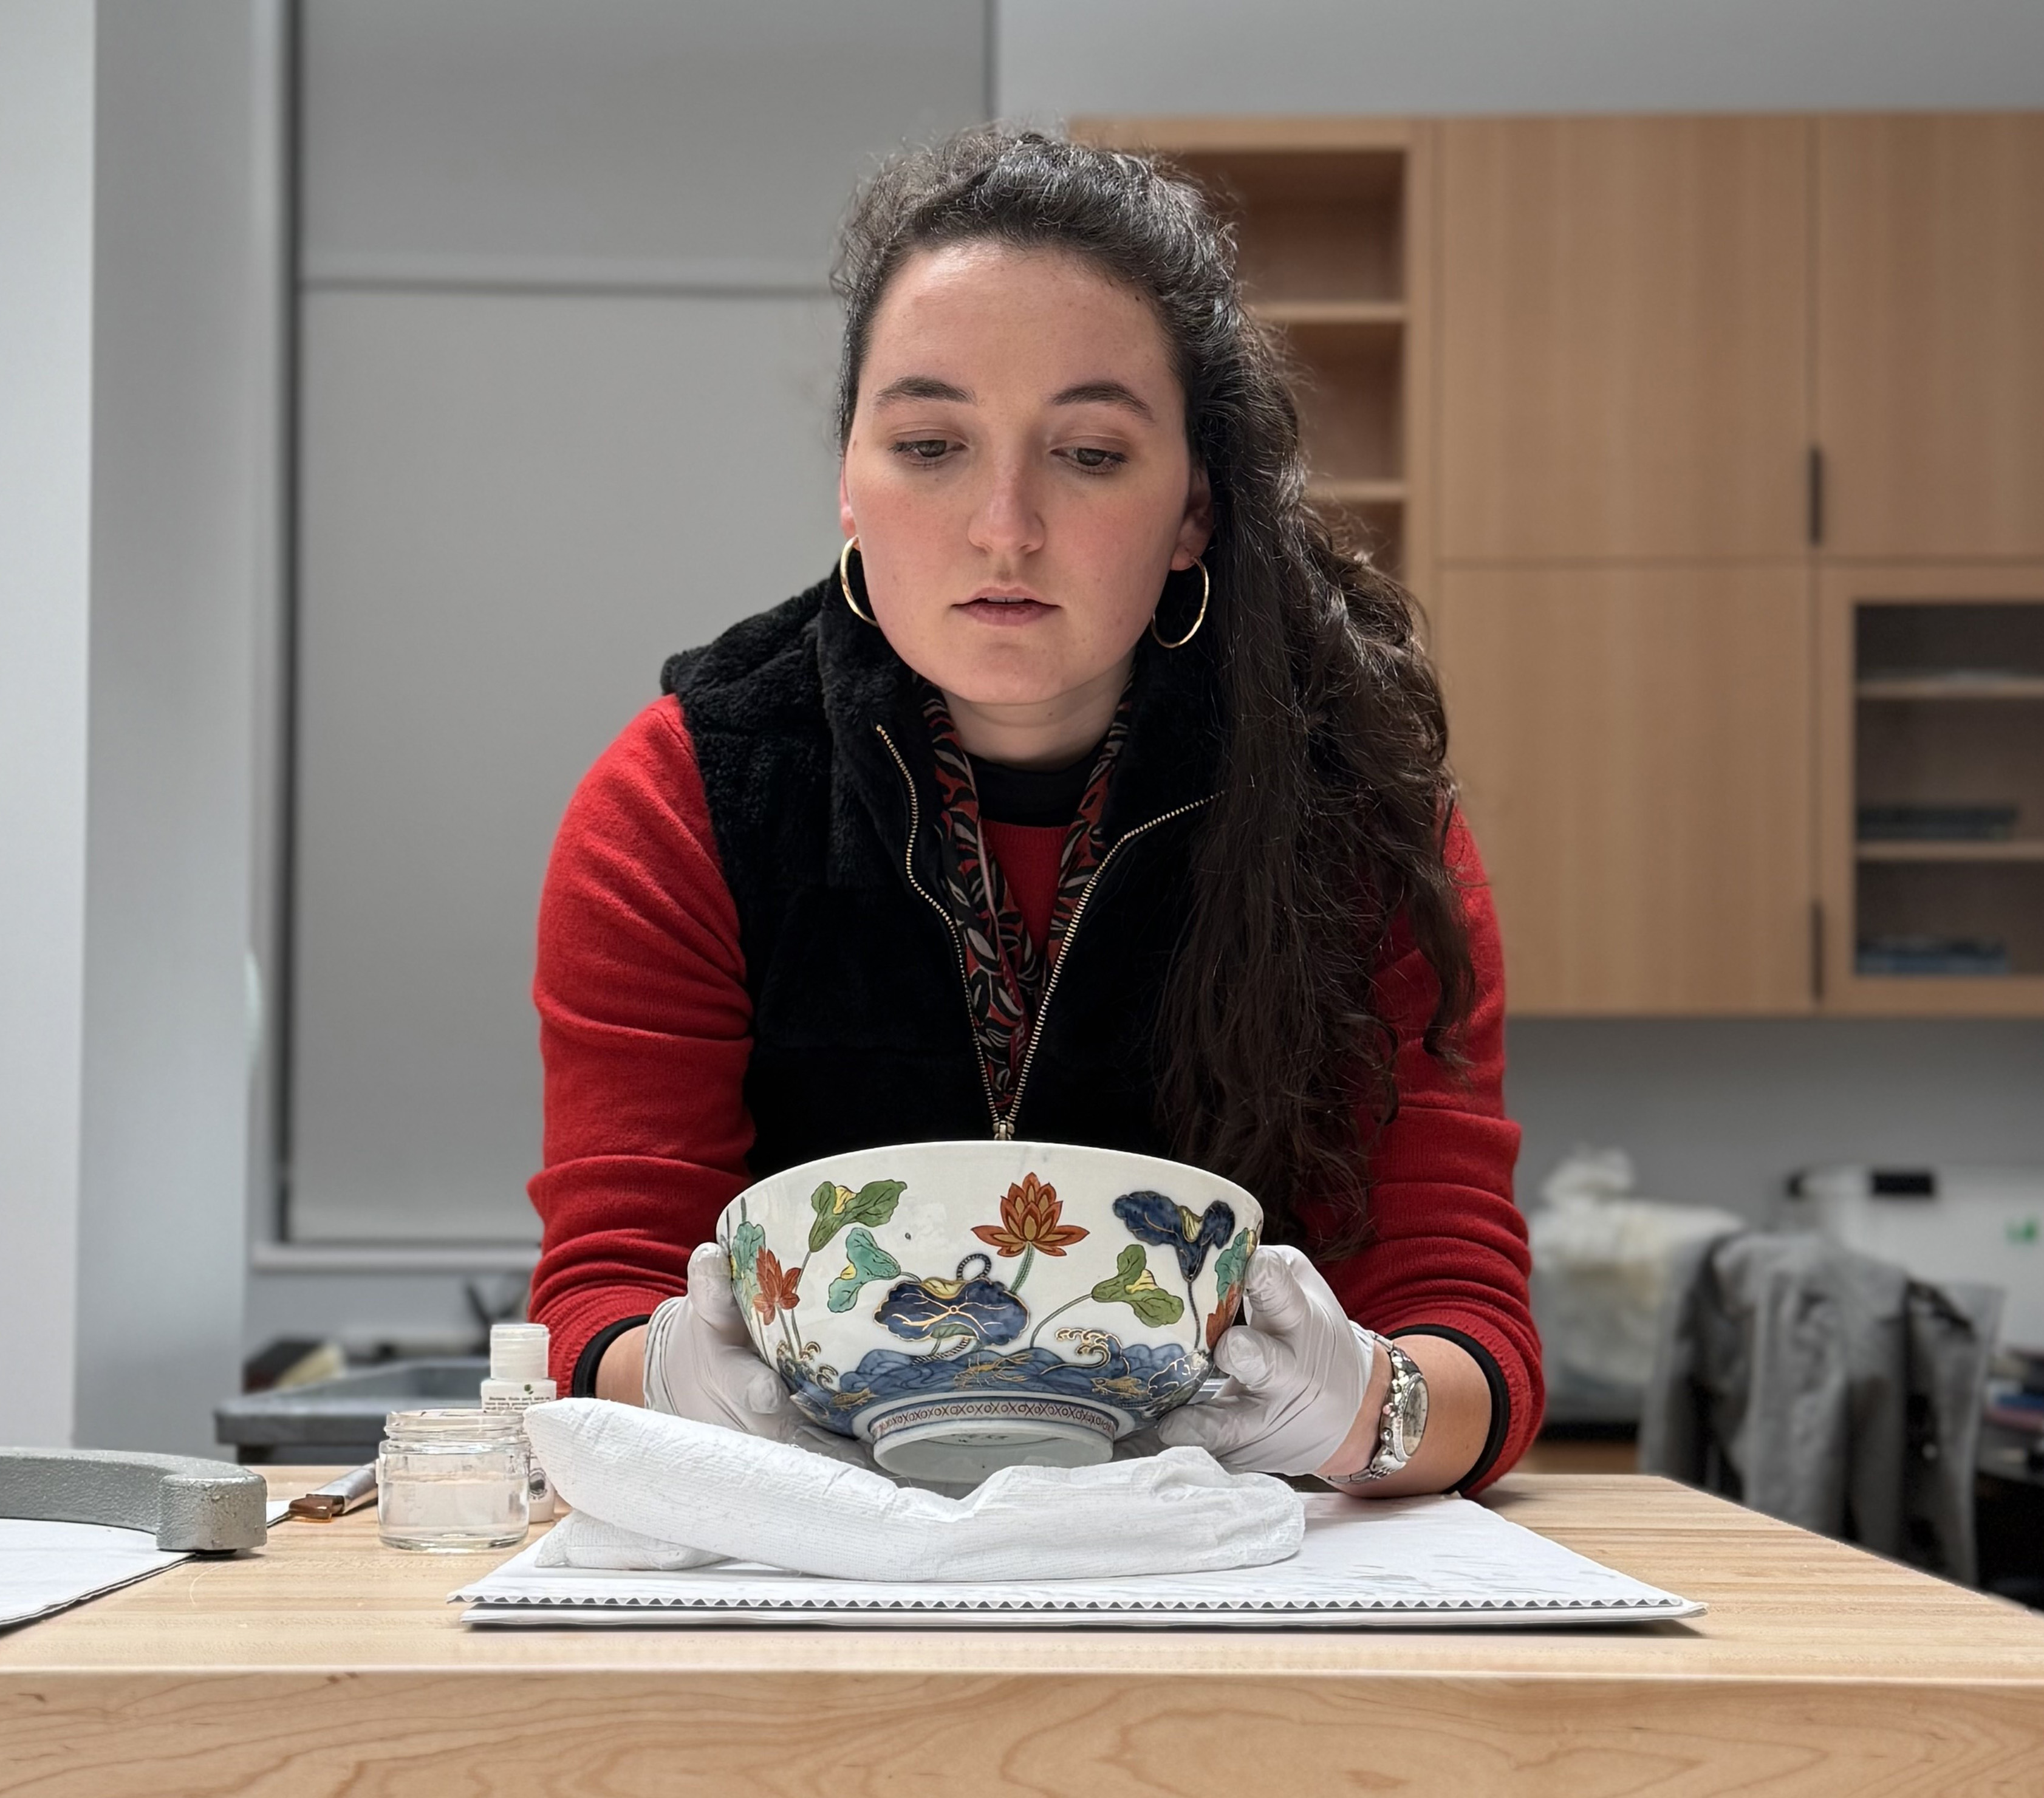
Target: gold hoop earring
<point x="1206" y="590"/>
<point x="844" y="581"/>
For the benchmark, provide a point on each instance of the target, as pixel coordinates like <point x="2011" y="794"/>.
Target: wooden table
<point x="327" y="1665"/>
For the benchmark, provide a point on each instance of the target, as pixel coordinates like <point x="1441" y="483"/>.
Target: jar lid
<point x="464" y="1424"/>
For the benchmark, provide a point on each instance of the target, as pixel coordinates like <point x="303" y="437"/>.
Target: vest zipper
<point x="1003" y="1131"/>
<point x="1003" y="1128"/>
<point x="1071" y="930"/>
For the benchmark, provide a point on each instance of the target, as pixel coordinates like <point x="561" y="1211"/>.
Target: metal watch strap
<point x="1393" y="1450"/>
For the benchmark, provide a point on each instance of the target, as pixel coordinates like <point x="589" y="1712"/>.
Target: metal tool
<point x="190" y="1506"/>
<point x="336" y="1498"/>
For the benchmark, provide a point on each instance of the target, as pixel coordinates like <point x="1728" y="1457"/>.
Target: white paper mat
<point x="45" y="1567"/>
<point x="1434" y="1560"/>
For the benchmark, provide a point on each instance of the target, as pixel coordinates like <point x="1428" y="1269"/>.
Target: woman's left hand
<point x="1297" y="1373"/>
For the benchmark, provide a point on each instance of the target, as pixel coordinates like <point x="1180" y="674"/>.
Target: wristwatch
<point x="1404" y="1422"/>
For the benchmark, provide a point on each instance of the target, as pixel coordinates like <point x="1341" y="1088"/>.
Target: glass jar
<point x="451" y="1481"/>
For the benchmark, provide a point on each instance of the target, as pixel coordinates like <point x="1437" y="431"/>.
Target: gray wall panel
<point x="1057" y="57"/>
<point x="655" y="139"/>
<point x="46" y="272"/>
<point x="512" y="509"/>
<point x="186" y="383"/>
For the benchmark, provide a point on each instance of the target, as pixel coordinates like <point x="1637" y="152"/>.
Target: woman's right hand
<point x="700" y="1363"/>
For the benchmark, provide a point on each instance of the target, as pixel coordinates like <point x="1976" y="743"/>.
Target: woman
<point x="1095" y="796"/>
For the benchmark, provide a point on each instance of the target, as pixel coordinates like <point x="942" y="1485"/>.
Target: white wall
<point x="1716" y="1111"/>
<point x="185" y="490"/>
<point x="1058" y="57"/>
<point x="46" y="157"/>
<point x="593" y="464"/>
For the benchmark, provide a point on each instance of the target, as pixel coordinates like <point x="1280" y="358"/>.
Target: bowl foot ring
<point x="964" y="1440"/>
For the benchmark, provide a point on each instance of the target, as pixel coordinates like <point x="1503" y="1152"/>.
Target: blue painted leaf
<point x="1152" y="1218"/>
<point x="926" y="1310"/>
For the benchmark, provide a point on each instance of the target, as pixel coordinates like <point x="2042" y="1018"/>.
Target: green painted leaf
<point x="746" y="1241"/>
<point x="1127" y="1264"/>
<point x="836" y="1206"/>
<point x="1134" y="1286"/>
<point x="874" y="1202"/>
<point x="1156" y="1306"/>
<point x="1230" y="1263"/>
<point x="829" y="1202"/>
<point x="868" y="1262"/>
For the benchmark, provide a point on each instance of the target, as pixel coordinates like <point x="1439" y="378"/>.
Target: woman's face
<point x="1018" y="478"/>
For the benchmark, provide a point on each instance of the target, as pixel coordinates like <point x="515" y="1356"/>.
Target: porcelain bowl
<point x="961" y="1307"/>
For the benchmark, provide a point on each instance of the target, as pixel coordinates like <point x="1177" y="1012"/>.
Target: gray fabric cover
<point x="1826" y="1389"/>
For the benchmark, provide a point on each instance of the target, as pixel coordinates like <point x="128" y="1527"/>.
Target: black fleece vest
<point x="822" y="794"/>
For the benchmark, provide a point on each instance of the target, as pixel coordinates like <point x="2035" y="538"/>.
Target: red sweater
<point x="644" y="1024"/>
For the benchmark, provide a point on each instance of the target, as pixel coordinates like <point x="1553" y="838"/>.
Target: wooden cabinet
<point x="1624" y="586"/>
<point x="1930" y="335"/>
<point x="1633" y="746"/>
<point x="1930" y="679"/>
<point x="1624" y="314"/>
<point x="1656" y="415"/>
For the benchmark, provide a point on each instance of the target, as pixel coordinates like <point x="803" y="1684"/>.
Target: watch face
<point x="1412" y="1396"/>
<point x="1415" y="1411"/>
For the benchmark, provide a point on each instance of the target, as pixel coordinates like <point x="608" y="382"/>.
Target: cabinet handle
<point x="1817" y="493"/>
<point x="1817" y="950"/>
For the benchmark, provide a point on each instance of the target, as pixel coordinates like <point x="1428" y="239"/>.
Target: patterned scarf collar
<point x="1006" y="974"/>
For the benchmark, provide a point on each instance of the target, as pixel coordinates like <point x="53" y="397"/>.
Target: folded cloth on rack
<point x="676" y="1493"/>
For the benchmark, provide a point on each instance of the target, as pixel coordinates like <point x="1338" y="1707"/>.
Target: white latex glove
<point x="1297" y="1372"/>
<point x="701" y="1365"/>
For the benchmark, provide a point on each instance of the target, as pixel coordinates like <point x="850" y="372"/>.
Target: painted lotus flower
<point x="774" y="1290"/>
<point x="1152" y="1218"/>
<point x="1029" y="1220"/>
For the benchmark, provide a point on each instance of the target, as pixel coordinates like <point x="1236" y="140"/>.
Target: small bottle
<point x="518" y="1379"/>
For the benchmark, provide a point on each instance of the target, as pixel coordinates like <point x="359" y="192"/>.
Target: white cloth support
<point x="676" y="1493"/>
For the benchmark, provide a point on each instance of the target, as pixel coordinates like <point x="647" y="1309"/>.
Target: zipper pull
<point x="1004" y="1131"/>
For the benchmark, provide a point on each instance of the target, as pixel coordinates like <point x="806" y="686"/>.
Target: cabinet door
<point x="1624" y="338"/>
<point x="1633" y="746"/>
<point x="1930" y="693"/>
<point x="1930" y="334"/>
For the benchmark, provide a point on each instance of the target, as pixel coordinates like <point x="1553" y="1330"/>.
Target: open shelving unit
<point x="1330" y="219"/>
<point x="1935" y="799"/>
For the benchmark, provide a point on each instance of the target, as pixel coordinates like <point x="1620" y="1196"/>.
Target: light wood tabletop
<point x="326" y="1665"/>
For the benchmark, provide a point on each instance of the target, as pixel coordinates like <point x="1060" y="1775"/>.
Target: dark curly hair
<point x="1335" y="798"/>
